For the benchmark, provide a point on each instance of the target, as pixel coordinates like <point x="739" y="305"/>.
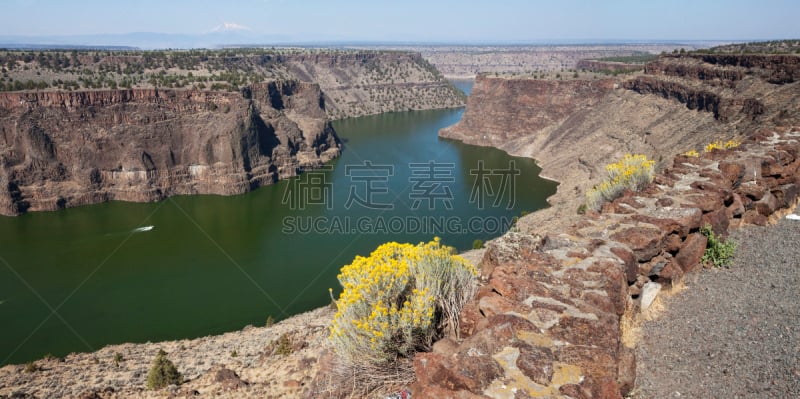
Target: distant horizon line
<point x="8" y="42"/>
<point x="146" y="41"/>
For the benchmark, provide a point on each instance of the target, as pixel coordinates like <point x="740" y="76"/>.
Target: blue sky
<point x="413" y="20"/>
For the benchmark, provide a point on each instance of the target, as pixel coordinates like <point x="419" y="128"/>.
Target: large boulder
<point x="691" y="252"/>
<point x="645" y="242"/>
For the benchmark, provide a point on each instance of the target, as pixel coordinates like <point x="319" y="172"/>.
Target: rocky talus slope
<point x="552" y="319"/>
<point x="368" y="83"/>
<point x="573" y="128"/>
<point x="64" y="149"/>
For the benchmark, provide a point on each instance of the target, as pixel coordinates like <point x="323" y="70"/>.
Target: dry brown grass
<point x="630" y="326"/>
<point x="659" y="305"/>
<point x="632" y="320"/>
<point x="350" y="381"/>
<point x="782" y="213"/>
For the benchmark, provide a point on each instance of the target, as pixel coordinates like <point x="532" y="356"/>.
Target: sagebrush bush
<point x="632" y="172"/>
<point x="31" y="367"/>
<point x="163" y="372"/>
<point x="283" y="345"/>
<point x="397" y="300"/>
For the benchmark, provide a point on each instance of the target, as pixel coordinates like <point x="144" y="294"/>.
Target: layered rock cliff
<point x="573" y="128"/>
<point x="367" y="83"/>
<point x="64" y="149"/>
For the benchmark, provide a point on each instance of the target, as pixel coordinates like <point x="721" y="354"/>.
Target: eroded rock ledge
<point x="573" y="128"/>
<point x="64" y="149"/>
<point x="547" y="321"/>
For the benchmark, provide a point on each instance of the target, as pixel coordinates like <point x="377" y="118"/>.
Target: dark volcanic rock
<point x="64" y="149"/>
<point x="691" y="252"/>
<point x="645" y="242"/>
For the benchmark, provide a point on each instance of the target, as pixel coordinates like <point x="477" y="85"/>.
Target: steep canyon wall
<point x="63" y="149"/>
<point x="367" y="83"/>
<point x="573" y="128"/>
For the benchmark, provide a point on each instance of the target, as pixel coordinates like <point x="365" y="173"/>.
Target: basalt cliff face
<point x="563" y="293"/>
<point x="573" y="128"/>
<point x="64" y="149"/>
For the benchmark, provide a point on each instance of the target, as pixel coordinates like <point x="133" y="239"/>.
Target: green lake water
<point x="79" y="279"/>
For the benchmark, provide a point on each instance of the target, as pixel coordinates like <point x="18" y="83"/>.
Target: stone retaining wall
<point x="547" y="321"/>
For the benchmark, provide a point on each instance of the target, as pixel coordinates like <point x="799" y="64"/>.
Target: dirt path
<point x="734" y="333"/>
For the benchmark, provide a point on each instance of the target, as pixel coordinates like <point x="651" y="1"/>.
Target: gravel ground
<point x="734" y="333"/>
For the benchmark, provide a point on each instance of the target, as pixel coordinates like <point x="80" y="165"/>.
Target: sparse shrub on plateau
<point x="163" y="372"/>
<point x="632" y="172"/>
<point x="397" y="301"/>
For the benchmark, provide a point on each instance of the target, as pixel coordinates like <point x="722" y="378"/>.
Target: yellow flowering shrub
<point x="716" y="145"/>
<point x="691" y="154"/>
<point x="720" y="145"/>
<point x="732" y="144"/>
<point x="396" y="300"/>
<point x="632" y="172"/>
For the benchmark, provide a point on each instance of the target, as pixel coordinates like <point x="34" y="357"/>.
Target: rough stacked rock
<point x="547" y="321"/>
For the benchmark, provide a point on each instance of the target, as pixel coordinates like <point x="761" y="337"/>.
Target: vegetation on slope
<point x="354" y="82"/>
<point x="632" y="172"/>
<point x="631" y="59"/>
<point x="769" y="47"/>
